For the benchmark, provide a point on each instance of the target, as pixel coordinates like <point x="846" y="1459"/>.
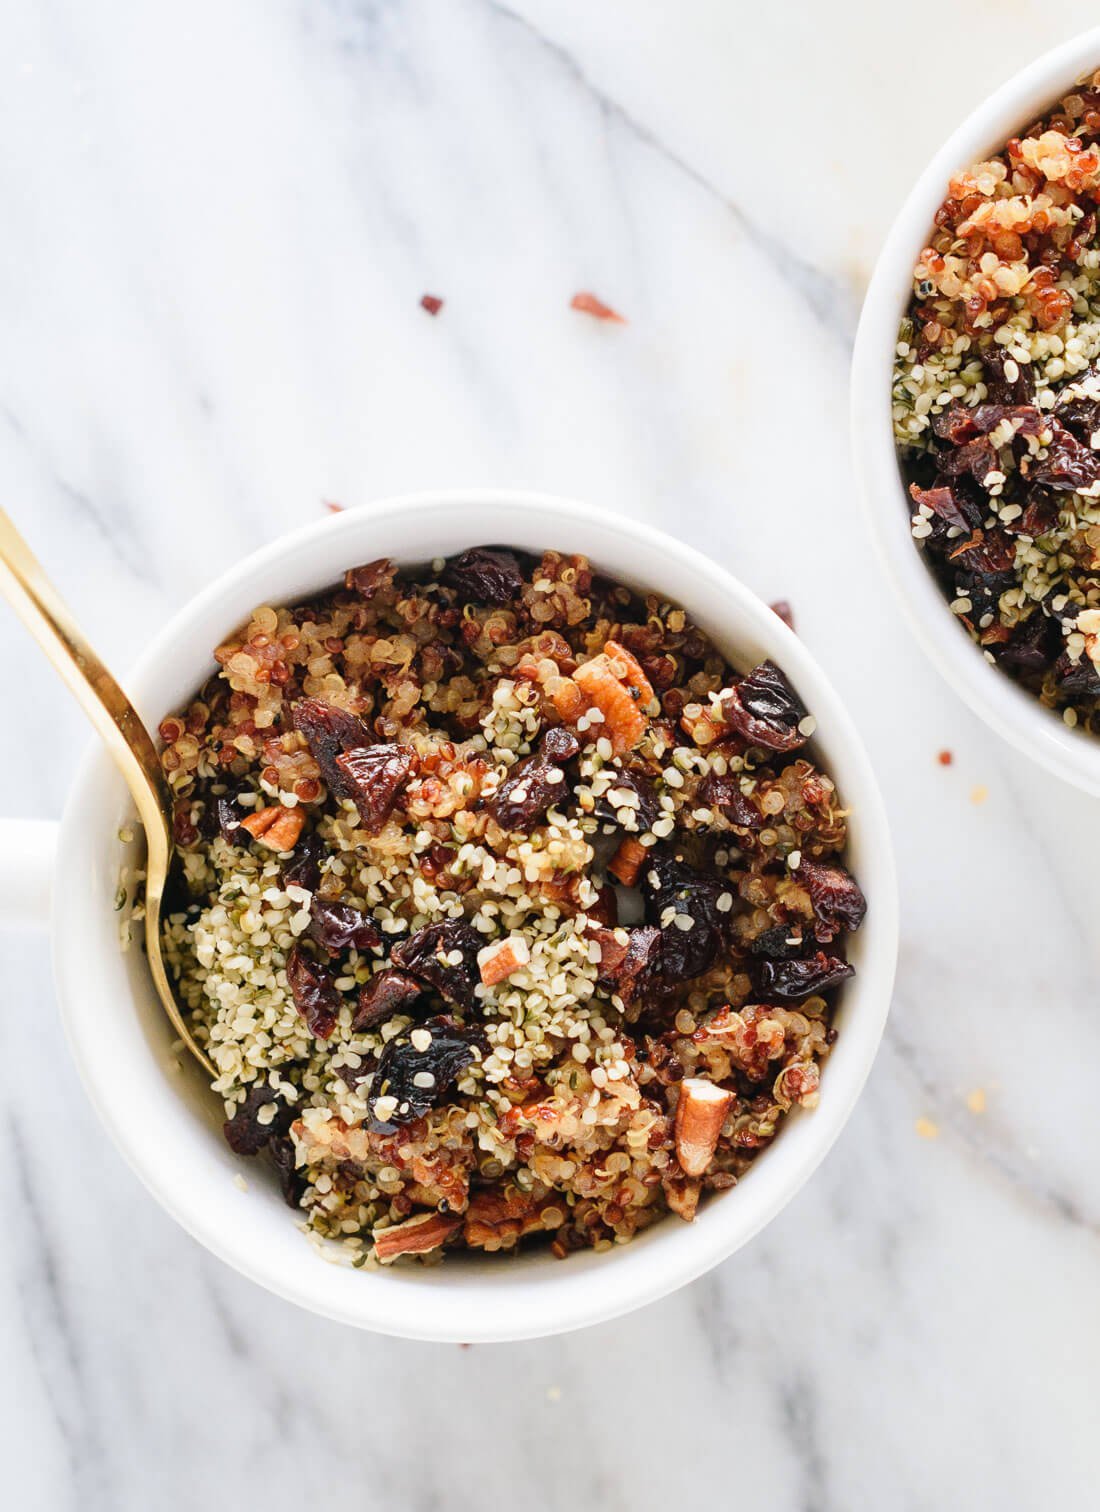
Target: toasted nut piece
<point x="632" y="675"/>
<point x="627" y="861"/>
<point x="416" y="1236"/>
<point x="682" y="1197"/>
<point x="700" y="1114"/>
<point x="498" y="1220"/>
<point x="623" y="721"/>
<point x="276" y="826"/>
<point x="568" y="700"/>
<point x="502" y="958"/>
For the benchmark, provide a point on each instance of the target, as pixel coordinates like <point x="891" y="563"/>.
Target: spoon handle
<point x="33" y="597"/>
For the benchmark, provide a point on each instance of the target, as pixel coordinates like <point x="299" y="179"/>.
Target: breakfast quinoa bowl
<point x="996" y="404"/>
<point x="511" y="912"/>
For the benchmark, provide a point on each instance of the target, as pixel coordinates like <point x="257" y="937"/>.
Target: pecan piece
<point x="275" y="826"/>
<point x="700" y="1114"/>
<point x="502" y="959"/>
<point x="416" y="1236"/>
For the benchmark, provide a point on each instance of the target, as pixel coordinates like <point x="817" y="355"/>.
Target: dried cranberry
<point x="835" y="894"/>
<point x="1068" y="466"/>
<point x="369" y="578"/>
<point x="244" y="1134"/>
<point x="291" y="1181"/>
<point x="1034" y="646"/>
<point x="338" y="926"/>
<point x="977" y="459"/>
<point x="1003" y="390"/>
<point x="626" y="969"/>
<point x="790" y="981"/>
<point x="329" y="732"/>
<point x="637" y="817"/>
<point x="765" y="709"/>
<point x="948" y="505"/>
<point x="725" y="795"/>
<point x="993" y="552"/>
<point x="420" y="1079"/>
<point x="485" y="575"/>
<point x="315" y="995"/>
<point x="373" y="776"/>
<point x="1081" y="416"/>
<point x="445" y="956"/>
<point x="1077" y="679"/>
<point x="388" y="992"/>
<point x="1040" y="513"/>
<point x="229" y="820"/>
<point x="960" y="424"/>
<point x="304" y="870"/>
<point x="535" y="784"/>
<point x="684" y="904"/>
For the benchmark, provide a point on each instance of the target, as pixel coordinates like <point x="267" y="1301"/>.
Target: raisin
<point x="790" y="981"/>
<point x="638" y="817"/>
<point x="291" y="1182"/>
<point x="765" y="709"/>
<point x="725" y="795"/>
<point x="420" y="1079"/>
<point x="1069" y="465"/>
<point x="960" y="424"/>
<point x="948" y="505"/>
<point x="244" y="1134"/>
<point x="1081" y="416"/>
<point x="369" y="578"/>
<point x="989" y="554"/>
<point x="445" y="956"/>
<point x="535" y="784"/>
<point x="692" y="937"/>
<point x="315" y="996"/>
<point x="1003" y="390"/>
<point x="780" y="943"/>
<point x="229" y="820"/>
<point x="1077" y="679"/>
<point x="373" y="776"/>
<point x="305" y="868"/>
<point x="388" y="992"/>
<point x="835" y="894"/>
<point x="1034" y="647"/>
<point x="485" y="575"/>
<point x="977" y="459"/>
<point x="329" y="732"/>
<point x="627" y="969"/>
<point x="338" y="926"/>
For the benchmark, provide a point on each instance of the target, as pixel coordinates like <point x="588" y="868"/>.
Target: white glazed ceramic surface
<point x="1007" y="708"/>
<point x="168" y="1126"/>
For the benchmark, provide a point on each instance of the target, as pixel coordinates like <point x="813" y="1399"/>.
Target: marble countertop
<point x="219" y="220"/>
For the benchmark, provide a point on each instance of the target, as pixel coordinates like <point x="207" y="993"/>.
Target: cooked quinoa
<point x="509" y="909"/>
<point x="996" y="404"/>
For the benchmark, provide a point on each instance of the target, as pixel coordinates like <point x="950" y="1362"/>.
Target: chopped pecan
<point x="627" y="861"/>
<point x="700" y="1114"/>
<point x="416" y="1236"/>
<point x="502" y="959"/>
<point x="275" y="826"/>
<point x="614" y="684"/>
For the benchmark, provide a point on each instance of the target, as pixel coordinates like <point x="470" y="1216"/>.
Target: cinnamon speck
<point x="432" y="303"/>
<point x="926" y="1128"/>
<point x="588" y="304"/>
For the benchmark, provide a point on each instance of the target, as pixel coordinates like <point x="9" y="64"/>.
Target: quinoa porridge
<point x="510" y="910"/>
<point x="996" y="403"/>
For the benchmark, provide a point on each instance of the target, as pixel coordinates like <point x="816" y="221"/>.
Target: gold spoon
<point x="34" y="599"/>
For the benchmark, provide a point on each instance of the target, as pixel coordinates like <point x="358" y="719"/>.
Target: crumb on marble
<point x="926" y="1128"/>
<point x="975" y="1100"/>
<point x="332" y="506"/>
<point x="432" y="303"/>
<point x="979" y="793"/>
<point x="240" y="1182"/>
<point x="945" y="758"/>
<point x="553" y="1393"/>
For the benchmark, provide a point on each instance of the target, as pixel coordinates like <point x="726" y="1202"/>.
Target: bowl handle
<point x="27" y="851"/>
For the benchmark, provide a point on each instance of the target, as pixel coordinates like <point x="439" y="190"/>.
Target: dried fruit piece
<point x="338" y="926"/>
<point x="369" y="579"/>
<point x="588" y="304"/>
<point x="229" y="819"/>
<point x="835" y="894"/>
<point x="724" y="794"/>
<point x="304" y="870"/>
<point x="373" y="777"/>
<point x="275" y="826"/>
<point x="315" y="996"/>
<point x="329" y="732"/>
<point x="535" y="784"/>
<point x="953" y="508"/>
<point x="416" y="1236"/>
<point x="784" y="611"/>
<point x="700" y="1113"/>
<point x="631" y="802"/>
<point x="416" y="1070"/>
<point x="291" y="1181"/>
<point x="627" y="861"/>
<point x="627" y="968"/>
<point x="502" y="959"/>
<point x="244" y="1133"/>
<point x="790" y="981"/>
<point x="387" y="993"/>
<point x="485" y="575"/>
<point x="692" y="910"/>
<point x="766" y="710"/>
<point x="1069" y="465"/>
<point x="445" y="956"/>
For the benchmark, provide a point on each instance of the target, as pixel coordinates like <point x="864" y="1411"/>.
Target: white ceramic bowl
<point x="1015" y="714"/>
<point x="166" y="1123"/>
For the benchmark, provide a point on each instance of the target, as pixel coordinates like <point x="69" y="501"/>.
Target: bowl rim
<point x="615" y="1284"/>
<point x="1009" y="710"/>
